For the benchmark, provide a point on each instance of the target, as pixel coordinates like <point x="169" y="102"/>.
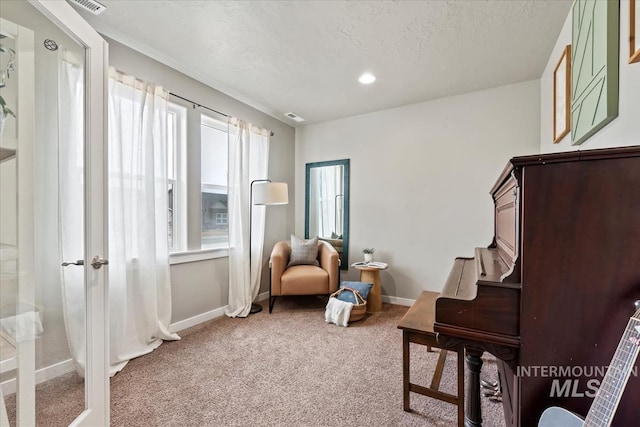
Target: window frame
<point x="179" y="141"/>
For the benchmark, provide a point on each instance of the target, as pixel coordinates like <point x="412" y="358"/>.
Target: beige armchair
<point x="303" y="279"/>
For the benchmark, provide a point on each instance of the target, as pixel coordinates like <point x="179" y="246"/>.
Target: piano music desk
<point x="417" y="327"/>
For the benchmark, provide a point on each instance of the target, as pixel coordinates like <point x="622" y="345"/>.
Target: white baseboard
<point x="42" y="375"/>
<point x="398" y="301"/>
<point x="209" y="315"/>
<point x="196" y="320"/>
<point x="263" y="296"/>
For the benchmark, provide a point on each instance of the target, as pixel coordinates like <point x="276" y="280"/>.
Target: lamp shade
<point x="270" y="193"/>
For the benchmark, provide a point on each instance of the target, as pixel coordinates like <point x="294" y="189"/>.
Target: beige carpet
<point x="289" y="368"/>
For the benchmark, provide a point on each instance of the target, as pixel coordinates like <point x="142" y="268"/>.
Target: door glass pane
<point x="44" y="86"/>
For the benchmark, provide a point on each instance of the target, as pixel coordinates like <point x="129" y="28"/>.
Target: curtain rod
<point x="195" y="104"/>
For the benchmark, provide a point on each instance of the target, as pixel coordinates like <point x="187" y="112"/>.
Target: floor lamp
<point x="265" y="193"/>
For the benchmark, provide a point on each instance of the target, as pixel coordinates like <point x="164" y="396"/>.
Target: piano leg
<point x="406" y="359"/>
<point x="473" y="413"/>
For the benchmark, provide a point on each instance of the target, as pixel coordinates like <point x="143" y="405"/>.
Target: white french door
<point x="33" y="274"/>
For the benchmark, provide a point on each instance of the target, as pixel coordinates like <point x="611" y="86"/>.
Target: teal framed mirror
<point x="327" y="205"/>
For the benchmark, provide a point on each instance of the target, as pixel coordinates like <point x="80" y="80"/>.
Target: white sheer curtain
<point x="248" y="161"/>
<point x="139" y="282"/>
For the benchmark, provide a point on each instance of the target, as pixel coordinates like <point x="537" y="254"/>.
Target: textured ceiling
<point x="306" y="56"/>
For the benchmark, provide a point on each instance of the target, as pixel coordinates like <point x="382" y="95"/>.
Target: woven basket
<point x="358" y="311"/>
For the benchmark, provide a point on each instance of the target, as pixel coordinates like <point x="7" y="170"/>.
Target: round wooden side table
<point x="372" y="275"/>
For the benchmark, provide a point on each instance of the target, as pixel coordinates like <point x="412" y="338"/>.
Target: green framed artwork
<point x="594" y="67"/>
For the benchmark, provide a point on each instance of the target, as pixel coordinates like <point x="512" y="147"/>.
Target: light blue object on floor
<point x="363" y="289"/>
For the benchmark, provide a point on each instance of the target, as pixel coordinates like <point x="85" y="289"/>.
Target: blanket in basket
<point x="338" y="312"/>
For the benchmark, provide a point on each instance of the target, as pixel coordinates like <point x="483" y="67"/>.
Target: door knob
<point x="97" y="262"/>
<point x="78" y="262"/>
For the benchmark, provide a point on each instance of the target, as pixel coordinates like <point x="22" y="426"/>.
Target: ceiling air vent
<point x="90" y="5"/>
<point x="294" y="117"/>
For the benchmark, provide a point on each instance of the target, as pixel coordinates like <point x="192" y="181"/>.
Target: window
<point x="214" y="227"/>
<point x="196" y="138"/>
<point x="221" y="218"/>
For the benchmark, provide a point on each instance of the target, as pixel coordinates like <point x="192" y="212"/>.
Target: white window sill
<point x="198" y="255"/>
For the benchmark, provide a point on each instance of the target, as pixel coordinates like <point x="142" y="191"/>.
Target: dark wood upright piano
<point x="551" y="295"/>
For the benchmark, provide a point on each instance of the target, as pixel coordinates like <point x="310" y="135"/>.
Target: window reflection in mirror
<point x="327" y="205"/>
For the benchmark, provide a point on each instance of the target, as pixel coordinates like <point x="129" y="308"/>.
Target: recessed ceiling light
<point x="367" y="78"/>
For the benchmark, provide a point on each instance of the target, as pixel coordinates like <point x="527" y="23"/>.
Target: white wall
<point x="420" y="178"/>
<point x="200" y="287"/>
<point x="623" y="130"/>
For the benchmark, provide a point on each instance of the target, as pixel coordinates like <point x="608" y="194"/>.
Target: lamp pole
<point x="255" y="308"/>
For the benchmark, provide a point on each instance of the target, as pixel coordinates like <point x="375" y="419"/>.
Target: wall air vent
<point x="89" y="5"/>
<point x="294" y="117"/>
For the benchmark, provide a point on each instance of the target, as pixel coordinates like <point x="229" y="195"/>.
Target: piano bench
<point x="417" y="327"/>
